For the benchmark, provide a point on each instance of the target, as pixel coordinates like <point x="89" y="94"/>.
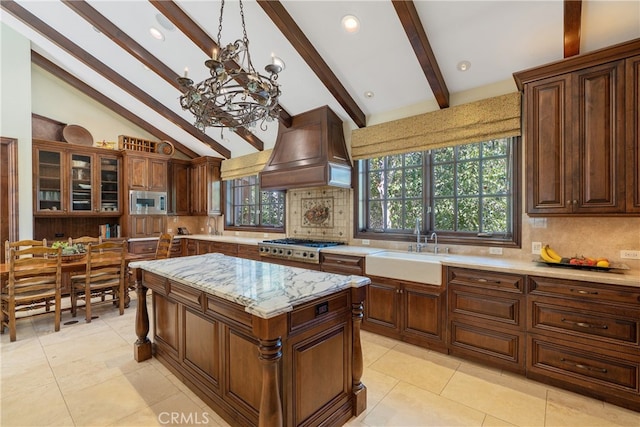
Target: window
<point x="248" y="206"/>
<point x="466" y="194"/>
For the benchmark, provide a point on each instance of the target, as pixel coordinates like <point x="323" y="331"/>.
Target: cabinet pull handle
<point x="583" y="366"/>
<point x="585" y="324"/>
<point x="583" y="292"/>
<point x="488" y="281"/>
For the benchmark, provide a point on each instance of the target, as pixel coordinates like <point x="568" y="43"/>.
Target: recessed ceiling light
<point x="350" y="24"/>
<point x="369" y="94"/>
<point x="164" y="22"/>
<point x="463" y="65"/>
<point x="156" y="34"/>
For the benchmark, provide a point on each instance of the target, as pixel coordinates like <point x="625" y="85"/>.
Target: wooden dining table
<point x="77" y="265"/>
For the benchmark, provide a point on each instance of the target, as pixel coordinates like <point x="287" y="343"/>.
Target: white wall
<point x="15" y="116"/>
<point x="59" y="101"/>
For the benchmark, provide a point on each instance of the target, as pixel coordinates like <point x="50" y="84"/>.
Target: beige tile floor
<point x="85" y="375"/>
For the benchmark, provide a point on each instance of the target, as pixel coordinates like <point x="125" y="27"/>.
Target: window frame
<point x="454" y="238"/>
<point x="230" y="210"/>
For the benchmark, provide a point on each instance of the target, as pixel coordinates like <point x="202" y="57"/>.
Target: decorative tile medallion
<point x="317" y="212"/>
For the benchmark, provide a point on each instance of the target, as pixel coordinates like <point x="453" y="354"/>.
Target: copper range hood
<point x="310" y="153"/>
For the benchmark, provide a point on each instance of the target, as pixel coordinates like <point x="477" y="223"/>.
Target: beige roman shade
<point x="483" y="120"/>
<point x="239" y="167"/>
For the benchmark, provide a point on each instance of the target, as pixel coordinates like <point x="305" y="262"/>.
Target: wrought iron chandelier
<point x="235" y="95"/>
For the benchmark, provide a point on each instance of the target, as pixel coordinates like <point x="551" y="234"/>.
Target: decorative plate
<point x="75" y="134"/>
<point x="165" y="147"/>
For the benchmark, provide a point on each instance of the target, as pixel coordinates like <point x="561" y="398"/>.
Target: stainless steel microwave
<point x="147" y="202"/>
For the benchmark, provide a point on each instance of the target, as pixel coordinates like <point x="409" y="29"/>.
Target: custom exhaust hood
<point x="311" y="153"/>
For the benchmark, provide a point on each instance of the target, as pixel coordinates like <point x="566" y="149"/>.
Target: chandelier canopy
<point x="235" y="95"/>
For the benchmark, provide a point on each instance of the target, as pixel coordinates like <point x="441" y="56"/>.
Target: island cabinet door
<point x="165" y="324"/>
<point x="201" y="347"/>
<point x="317" y="362"/>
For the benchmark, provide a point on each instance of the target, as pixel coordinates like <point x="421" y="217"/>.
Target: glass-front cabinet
<point x="109" y="201"/>
<point x="81" y="183"/>
<point x="76" y="181"/>
<point x="49" y="185"/>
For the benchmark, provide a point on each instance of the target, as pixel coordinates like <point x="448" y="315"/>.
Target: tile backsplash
<point x="319" y="213"/>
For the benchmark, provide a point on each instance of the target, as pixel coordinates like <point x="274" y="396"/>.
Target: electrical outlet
<point x="629" y="254"/>
<point x="536" y="247"/>
<point x="495" y="251"/>
<point x="365" y="242"/>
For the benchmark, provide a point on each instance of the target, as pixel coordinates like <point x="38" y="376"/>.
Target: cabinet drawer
<point x="143" y="247"/>
<point x="342" y="264"/>
<point x="496" y="347"/>
<point x="581" y="366"/>
<point x="583" y="291"/>
<point x="318" y="311"/>
<point x="502" y="308"/>
<point x="486" y="279"/>
<point x="187" y="295"/>
<point x="618" y="328"/>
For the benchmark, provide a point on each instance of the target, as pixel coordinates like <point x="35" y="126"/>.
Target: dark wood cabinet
<point x="249" y="252"/>
<point x="585" y="337"/>
<point x="179" y="194"/>
<point x="632" y="74"/>
<point x="147" y="172"/>
<point x="342" y="264"/>
<point x="577" y="135"/>
<point x="486" y="317"/>
<point x="144" y="172"/>
<point x="408" y="311"/>
<point x="206" y="186"/>
<point x="72" y="180"/>
<point x="147" y="225"/>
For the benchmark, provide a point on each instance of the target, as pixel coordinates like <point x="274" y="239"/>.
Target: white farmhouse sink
<point x="415" y="267"/>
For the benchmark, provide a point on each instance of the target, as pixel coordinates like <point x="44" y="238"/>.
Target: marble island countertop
<point x="265" y="290"/>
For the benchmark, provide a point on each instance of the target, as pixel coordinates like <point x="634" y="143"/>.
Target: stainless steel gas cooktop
<point x="304" y="250"/>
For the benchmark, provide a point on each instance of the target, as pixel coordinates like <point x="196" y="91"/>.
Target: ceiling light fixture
<point x="235" y="95"/>
<point x="369" y="94"/>
<point x="350" y="24"/>
<point x="463" y="65"/>
<point x="164" y="22"/>
<point x="156" y="33"/>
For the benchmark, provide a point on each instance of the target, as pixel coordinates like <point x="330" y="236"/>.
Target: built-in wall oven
<point x="147" y="202"/>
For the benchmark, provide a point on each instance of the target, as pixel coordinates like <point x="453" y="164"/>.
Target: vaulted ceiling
<point x="404" y="59"/>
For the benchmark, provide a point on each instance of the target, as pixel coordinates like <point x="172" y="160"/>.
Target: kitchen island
<point x="262" y="344"/>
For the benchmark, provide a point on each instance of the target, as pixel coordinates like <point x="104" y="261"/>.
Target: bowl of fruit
<point x="70" y="253"/>
<point x="551" y="258"/>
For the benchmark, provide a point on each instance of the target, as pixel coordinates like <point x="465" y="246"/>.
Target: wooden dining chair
<point x="85" y="240"/>
<point x="105" y="273"/>
<point x="163" y="250"/>
<point x="21" y="244"/>
<point x="35" y="278"/>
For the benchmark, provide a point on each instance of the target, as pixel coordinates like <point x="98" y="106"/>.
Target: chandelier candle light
<point x="235" y="95"/>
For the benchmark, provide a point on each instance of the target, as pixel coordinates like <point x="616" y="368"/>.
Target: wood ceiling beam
<point x="73" y="81"/>
<point x="412" y="25"/>
<point x="572" y="26"/>
<point x="101" y="68"/>
<point x="200" y="38"/>
<point x="132" y="47"/>
<point x="288" y="27"/>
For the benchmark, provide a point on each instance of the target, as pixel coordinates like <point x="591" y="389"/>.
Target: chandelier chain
<point x="220" y="24"/>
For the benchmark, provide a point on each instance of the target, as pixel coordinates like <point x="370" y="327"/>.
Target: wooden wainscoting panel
<point x="243" y="372"/>
<point x="202" y="347"/>
<point x="319" y="371"/>
<point x="166" y="321"/>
